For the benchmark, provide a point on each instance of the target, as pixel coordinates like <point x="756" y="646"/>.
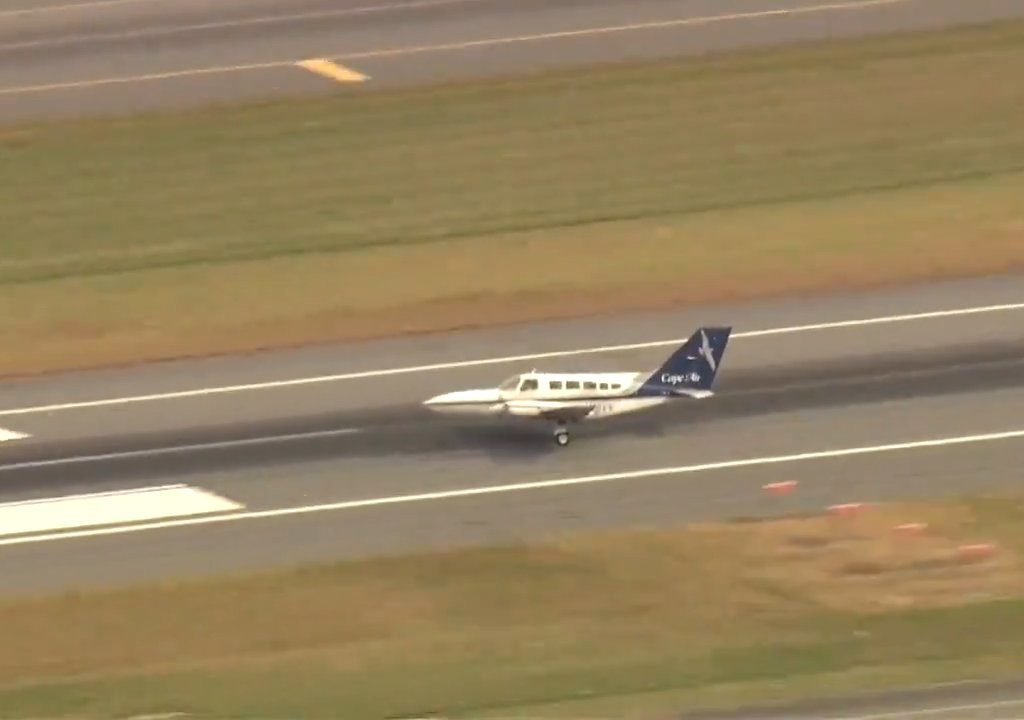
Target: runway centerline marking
<point x="520" y="487"/>
<point x="9" y="435"/>
<point x="333" y="70"/>
<point x="464" y="45"/>
<point x="109" y="508"/>
<point x="174" y="449"/>
<point x="451" y="365"/>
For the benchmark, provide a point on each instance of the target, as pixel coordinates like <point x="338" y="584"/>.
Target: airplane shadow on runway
<point x="414" y="432"/>
<point x="518" y="440"/>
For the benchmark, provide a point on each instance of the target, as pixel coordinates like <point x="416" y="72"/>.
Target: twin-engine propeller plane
<point x="563" y="398"/>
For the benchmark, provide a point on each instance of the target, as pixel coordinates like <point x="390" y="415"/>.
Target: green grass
<point x="236" y="211"/>
<point x="626" y="624"/>
<point x="470" y="160"/>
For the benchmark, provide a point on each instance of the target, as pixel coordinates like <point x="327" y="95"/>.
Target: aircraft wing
<point x="550" y="410"/>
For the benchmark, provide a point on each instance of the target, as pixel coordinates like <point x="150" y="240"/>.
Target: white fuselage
<point x="540" y="394"/>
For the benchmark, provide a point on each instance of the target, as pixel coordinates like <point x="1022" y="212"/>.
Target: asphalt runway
<point x="78" y="58"/>
<point x="358" y="432"/>
<point x="351" y="465"/>
<point x="906" y="393"/>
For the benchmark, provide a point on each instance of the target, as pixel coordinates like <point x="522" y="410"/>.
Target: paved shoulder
<point x="980" y="700"/>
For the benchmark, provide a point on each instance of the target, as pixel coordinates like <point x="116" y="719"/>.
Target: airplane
<point x="564" y="398"/>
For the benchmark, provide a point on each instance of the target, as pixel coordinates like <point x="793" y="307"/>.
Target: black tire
<point x="561" y="438"/>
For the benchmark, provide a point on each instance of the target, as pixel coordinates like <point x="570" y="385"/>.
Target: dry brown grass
<point x="865" y="563"/>
<point x="956" y="230"/>
<point x="877" y="161"/>
<point x="666" y="613"/>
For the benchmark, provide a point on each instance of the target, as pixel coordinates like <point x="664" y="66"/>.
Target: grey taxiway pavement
<point x="71" y="58"/>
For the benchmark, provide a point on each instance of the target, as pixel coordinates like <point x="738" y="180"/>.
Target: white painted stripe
<point x="165" y="30"/>
<point x="852" y="5"/>
<point x="8" y="435"/>
<point x="276" y="384"/>
<point x="524" y="486"/>
<point x="174" y="449"/>
<point x="106" y="493"/>
<point x="262" y="20"/>
<point x="108" y="508"/>
<point x="944" y="710"/>
<point x="90" y="4"/>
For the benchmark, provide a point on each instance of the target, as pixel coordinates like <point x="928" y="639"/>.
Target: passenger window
<point x="528" y="385"/>
<point x="589" y="386"/>
<point x="604" y="386"/>
<point x="615" y="386"/>
<point x="572" y="385"/>
<point x="555" y="384"/>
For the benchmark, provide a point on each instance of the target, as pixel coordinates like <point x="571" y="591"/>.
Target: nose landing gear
<point x="561" y="435"/>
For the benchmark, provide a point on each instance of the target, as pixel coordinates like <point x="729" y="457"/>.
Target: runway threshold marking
<point x="451" y="365"/>
<point x="9" y="435"/>
<point x="108" y="508"/>
<point x="464" y="45"/>
<point x="333" y="70"/>
<point x="174" y="449"/>
<point x="520" y="487"/>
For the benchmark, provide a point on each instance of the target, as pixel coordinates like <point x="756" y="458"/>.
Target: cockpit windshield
<point x="511" y="384"/>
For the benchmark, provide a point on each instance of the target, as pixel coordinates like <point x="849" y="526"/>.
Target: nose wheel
<point x="561" y="436"/>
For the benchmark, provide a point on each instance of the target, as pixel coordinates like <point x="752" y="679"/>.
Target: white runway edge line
<point x="852" y="5"/>
<point x="936" y="314"/>
<point x="89" y="5"/>
<point x="173" y="449"/>
<point x="520" y="487"/>
<point x="164" y="30"/>
<point x="108" y="508"/>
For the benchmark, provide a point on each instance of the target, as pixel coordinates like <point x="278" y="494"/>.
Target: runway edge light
<point x="780" y="488"/>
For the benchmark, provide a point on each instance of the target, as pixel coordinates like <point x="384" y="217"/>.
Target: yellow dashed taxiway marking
<point x="333" y="70"/>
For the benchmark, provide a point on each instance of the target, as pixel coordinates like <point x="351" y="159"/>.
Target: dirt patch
<point x="802" y="603"/>
<point x="882" y="558"/>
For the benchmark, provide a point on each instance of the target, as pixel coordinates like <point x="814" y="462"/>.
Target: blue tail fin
<point x="693" y="366"/>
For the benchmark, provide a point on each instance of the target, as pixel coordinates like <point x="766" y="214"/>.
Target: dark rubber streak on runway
<point x="412" y="430"/>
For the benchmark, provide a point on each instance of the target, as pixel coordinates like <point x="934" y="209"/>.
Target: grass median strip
<point x="391" y="211"/>
<point x="635" y="623"/>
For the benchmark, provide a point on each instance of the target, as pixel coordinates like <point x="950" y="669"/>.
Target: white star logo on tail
<point x="705" y="350"/>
